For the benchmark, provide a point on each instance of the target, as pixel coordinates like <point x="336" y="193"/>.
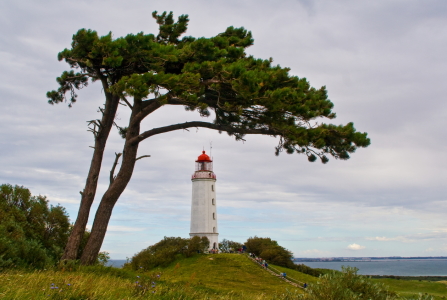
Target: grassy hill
<point x="406" y="288"/>
<point x="221" y="276"/>
<point x="224" y="272"/>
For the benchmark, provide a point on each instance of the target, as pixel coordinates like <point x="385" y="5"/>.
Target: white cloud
<point x="429" y="235"/>
<point x="355" y="247"/>
<point x="380" y="238"/>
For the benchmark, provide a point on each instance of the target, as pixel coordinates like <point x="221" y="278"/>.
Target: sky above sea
<point x="383" y="63"/>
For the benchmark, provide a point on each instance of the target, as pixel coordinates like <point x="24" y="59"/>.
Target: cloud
<point x="431" y="235"/>
<point x="385" y="239"/>
<point x="315" y="252"/>
<point x="355" y="247"/>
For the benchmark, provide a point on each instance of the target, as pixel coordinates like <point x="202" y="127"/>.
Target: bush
<point x="166" y="251"/>
<point x="269" y="250"/>
<point x="347" y="285"/>
<point x="197" y="245"/>
<point x="32" y="234"/>
<point x="273" y="253"/>
<point x="227" y="246"/>
<point x="257" y="244"/>
<point x="306" y="270"/>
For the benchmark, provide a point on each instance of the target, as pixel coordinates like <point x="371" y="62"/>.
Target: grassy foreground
<point x="405" y="288"/>
<point x="438" y="289"/>
<point x="221" y="276"/>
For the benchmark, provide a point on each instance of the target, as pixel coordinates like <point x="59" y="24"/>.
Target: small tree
<point x="270" y="250"/>
<point x="166" y="251"/>
<point x="204" y="244"/>
<point x="227" y="246"/>
<point x="197" y="245"/>
<point x="147" y="72"/>
<point x="258" y="244"/>
<point x="31" y="232"/>
<point x="159" y="254"/>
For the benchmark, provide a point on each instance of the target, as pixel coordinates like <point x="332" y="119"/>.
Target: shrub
<point x="197" y="245"/>
<point x="273" y="253"/>
<point x="165" y="252"/>
<point x="306" y="270"/>
<point x="226" y="246"/>
<point x="32" y="234"/>
<point x="347" y="285"/>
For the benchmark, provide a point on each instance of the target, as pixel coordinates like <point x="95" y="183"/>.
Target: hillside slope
<point x="224" y="272"/>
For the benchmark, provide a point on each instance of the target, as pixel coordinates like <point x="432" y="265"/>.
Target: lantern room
<point x="204" y="168"/>
<point x="204" y="163"/>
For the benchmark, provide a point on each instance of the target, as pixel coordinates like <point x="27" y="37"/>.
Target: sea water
<point x="117" y="263"/>
<point x="401" y="267"/>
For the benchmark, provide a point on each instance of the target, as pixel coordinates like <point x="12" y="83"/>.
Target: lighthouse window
<point x="214" y="216"/>
<point x="212" y="187"/>
<point x="213" y="202"/>
<point x="214" y="229"/>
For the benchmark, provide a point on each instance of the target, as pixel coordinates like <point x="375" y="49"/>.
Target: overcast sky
<point x="383" y="63"/>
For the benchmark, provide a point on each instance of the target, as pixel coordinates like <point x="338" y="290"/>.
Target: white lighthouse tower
<point x="203" y="206"/>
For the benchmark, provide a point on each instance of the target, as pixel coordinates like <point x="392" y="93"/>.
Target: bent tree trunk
<point x="111" y="196"/>
<point x="89" y="192"/>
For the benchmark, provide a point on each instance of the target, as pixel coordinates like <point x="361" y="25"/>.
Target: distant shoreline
<point x="386" y="266"/>
<point x="367" y="259"/>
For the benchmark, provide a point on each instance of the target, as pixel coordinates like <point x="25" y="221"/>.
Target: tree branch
<point x="153" y="106"/>
<point x="143" y="156"/>
<point x="210" y="81"/>
<point x="112" y="172"/>
<point x="127" y="102"/>
<point x="186" y="125"/>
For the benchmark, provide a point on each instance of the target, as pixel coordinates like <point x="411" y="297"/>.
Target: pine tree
<point x="147" y="72"/>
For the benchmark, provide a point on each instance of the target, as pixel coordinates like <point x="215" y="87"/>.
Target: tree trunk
<point x="88" y="195"/>
<point x="111" y="196"/>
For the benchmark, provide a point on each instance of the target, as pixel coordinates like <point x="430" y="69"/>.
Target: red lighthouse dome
<point x="203" y="157"/>
<point x="204" y="164"/>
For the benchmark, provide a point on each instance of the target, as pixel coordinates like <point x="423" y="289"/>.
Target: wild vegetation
<point x="273" y="253"/>
<point x="166" y="251"/>
<point x="227" y="246"/>
<point x="201" y="276"/>
<point x="32" y="233"/>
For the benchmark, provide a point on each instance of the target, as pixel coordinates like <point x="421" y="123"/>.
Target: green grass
<point x="297" y="275"/>
<point x="221" y="276"/>
<point x="225" y="272"/>
<point x="406" y="288"/>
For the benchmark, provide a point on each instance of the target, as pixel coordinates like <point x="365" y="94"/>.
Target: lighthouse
<point x="203" y="205"/>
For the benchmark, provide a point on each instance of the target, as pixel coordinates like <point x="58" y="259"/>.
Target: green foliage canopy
<point x="165" y="252"/>
<point x="269" y="250"/>
<point x="248" y="95"/>
<point x="227" y="246"/>
<point x="347" y="285"/>
<point x="272" y="252"/>
<point x="31" y="232"/>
